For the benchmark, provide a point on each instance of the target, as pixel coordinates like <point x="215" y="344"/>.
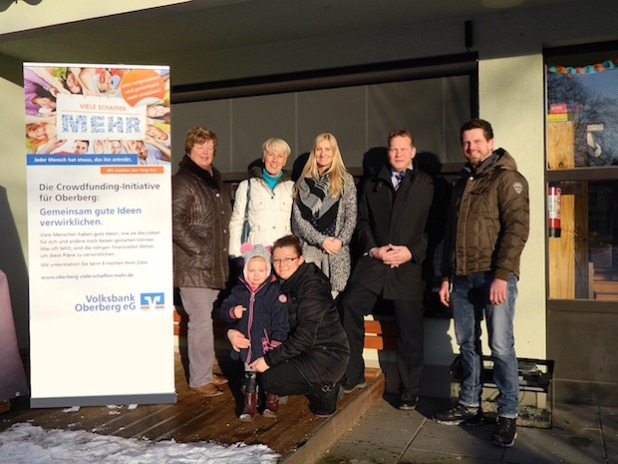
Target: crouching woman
<point x="315" y="355"/>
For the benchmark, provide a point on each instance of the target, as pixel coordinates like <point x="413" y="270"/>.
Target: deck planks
<point x="196" y="418"/>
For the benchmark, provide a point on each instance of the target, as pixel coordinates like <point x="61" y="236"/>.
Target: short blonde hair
<point x="275" y="144"/>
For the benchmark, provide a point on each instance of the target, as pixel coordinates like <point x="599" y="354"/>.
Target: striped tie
<point x="399" y="176"/>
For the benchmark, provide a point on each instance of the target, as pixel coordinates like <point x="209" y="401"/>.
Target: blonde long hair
<point x="336" y="172"/>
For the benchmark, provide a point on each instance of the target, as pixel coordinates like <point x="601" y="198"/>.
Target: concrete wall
<point x="504" y="97"/>
<point x="13" y="203"/>
<point x="22" y="16"/>
<point x="13" y="216"/>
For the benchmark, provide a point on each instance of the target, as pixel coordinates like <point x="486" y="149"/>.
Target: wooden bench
<point x="379" y="335"/>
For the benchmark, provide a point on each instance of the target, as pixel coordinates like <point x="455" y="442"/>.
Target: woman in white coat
<point x="265" y="198"/>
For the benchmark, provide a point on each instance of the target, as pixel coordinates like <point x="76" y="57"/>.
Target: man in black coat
<point x="393" y="210"/>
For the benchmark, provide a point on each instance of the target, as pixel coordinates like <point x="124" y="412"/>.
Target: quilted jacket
<point x="201" y="212"/>
<point x="489" y="219"/>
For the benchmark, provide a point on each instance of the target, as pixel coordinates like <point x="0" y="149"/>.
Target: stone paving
<point x="580" y="434"/>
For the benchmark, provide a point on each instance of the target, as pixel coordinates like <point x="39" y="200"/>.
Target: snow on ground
<point x="24" y="443"/>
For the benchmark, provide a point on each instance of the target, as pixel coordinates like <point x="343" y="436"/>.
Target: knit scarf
<point x="316" y="206"/>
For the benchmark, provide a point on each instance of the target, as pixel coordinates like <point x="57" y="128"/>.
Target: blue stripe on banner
<point x="81" y="160"/>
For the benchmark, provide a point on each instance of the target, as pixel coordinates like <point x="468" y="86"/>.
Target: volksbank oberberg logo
<point x="152" y="300"/>
<point x="119" y="302"/>
<point x="105" y="303"/>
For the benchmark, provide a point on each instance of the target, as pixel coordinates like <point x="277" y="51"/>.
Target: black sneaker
<point x="408" y="401"/>
<point x="349" y="384"/>
<point x="505" y="432"/>
<point x="458" y="414"/>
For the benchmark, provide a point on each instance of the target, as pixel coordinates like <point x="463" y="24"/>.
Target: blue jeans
<point x="470" y="301"/>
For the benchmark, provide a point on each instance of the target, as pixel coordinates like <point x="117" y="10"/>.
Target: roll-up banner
<point x="99" y="234"/>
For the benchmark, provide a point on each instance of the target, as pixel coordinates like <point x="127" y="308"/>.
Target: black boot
<point x="324" y="401"/>
<point x="250" y="405"/>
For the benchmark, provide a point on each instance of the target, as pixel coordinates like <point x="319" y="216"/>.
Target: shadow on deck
<point x="296" y="435"/>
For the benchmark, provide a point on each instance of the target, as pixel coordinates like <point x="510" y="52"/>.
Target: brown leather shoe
<point x="208" y="390"/>
<point x="218" y="379"/>
<point x="5" y="405"/>
<point x="272" y="405"/>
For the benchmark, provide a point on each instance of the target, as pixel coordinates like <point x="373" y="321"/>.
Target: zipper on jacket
<point x="250" y="324"/>
<point x="250" y="310"/>
<point x="491" y="240"/>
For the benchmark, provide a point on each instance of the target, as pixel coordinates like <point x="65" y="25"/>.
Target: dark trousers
<point x="357" y="302"/>
<point x="285" y="379"/>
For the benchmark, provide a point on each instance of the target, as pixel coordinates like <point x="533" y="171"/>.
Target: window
<point x="582" y="173"/>
<point x="430" y="97"/>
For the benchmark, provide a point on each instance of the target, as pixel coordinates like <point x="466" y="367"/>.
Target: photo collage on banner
<point x="98" y="151"/>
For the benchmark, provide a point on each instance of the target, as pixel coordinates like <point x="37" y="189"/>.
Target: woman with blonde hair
<point x="325" y="211"/>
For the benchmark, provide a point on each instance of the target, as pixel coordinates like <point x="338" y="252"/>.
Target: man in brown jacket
<point x="485" y="235"/>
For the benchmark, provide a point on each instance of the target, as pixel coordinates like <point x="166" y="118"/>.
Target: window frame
<point x="596" y="52"/>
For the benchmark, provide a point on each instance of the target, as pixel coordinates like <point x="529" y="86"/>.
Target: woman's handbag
<point x="244" y="237"/>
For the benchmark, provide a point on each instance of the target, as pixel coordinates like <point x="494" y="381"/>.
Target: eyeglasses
<point x="278" y="262"/>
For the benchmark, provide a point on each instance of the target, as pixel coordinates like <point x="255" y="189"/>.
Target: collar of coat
<point x="385" y="174"/>
<point x="256" y="171"/>
<point x="304" y="272"/>
<point x="270" y="279"/>
<point x="500" y="158"/>
<point x="213" y="180"/>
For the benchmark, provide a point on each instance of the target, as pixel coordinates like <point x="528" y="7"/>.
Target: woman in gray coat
<point x="325" y="211"/>
<point x="201" y="214"/>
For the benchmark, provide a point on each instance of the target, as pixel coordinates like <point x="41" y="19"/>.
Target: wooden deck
<point x="195" y="418"/>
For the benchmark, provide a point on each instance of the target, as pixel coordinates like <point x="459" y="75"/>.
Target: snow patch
<point x="24" y="443"/>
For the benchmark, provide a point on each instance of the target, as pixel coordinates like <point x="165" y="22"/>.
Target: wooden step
<point x="347" y="416"/>
<point x="296" y="434"/>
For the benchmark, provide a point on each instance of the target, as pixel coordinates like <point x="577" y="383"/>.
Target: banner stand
<point x="98" y="152"/>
